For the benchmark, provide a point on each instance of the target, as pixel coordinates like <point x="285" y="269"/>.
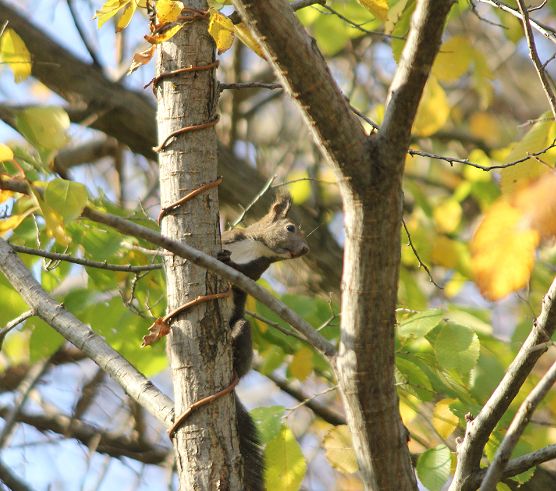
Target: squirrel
<point x="251" y="251"/>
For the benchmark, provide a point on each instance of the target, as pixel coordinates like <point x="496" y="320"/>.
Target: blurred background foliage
<point x="466" y="301"/>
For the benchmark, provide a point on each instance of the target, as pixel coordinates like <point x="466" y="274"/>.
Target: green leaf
<point x="285" y="464"/>
<point x="412" y="379"/>
<point x="268" y="421"/>
<point x="44" y="339"/>
<point x="457" y="348"/>
<point x="339" y="449"/>
<point x="433" y="467"/>
<point x="419" y="325"/>
<point x="44" y="127"/>
<point x="67" y="198"/>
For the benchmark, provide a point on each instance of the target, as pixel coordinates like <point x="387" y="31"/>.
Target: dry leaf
<point x="158" y="330"/>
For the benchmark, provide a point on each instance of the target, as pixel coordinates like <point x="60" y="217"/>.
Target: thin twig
<point x="259" y="195"/>
<point x="83" y="34"/>
<point x="275" y="325"/>
<point x="33" y="376"/>
<point x="14" y="323"/>
<point x="421" y="263"/>
<point x="545" y="82"/>
<point x="126" y="268"/>
<point x="517" y="426"/>
<point x="546" y="31"/>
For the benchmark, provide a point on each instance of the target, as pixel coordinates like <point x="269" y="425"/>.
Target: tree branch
<point x="135" y="384"/>
<point x="541" y="72"/>
<point x="112" y="443"/>
<point x="519" y="464"/>
<point x="323" y="106"/>
<point x="126" y="268"/>
<point x="478" y="430"/>
<point x="517" y="427"/>
<point x="423" y="42"/>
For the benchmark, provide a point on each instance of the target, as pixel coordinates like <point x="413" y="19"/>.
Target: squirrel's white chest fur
<point x="248" y="250"/>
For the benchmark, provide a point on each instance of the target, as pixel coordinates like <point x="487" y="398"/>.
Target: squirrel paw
<point x="225" y="256"/>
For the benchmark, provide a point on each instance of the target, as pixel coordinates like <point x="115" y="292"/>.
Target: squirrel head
<point x="277" y="232"/>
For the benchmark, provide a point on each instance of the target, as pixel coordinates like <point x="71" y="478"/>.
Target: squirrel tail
<point x="251" y="450"/>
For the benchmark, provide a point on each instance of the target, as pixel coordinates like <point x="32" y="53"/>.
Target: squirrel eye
<point x="290" y="228"/>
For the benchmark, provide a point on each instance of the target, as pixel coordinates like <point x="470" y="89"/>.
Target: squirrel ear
<point x="280" y="207"/>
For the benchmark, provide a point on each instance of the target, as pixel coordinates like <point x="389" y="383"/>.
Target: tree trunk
<point x="206" y="445"/>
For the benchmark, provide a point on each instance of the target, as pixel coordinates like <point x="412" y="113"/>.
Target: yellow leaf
<point x="538" y="202"/>
<point x="168" y="10"/>
<point x="5" y="153"/>
<point x="300" y="187"/>
<point x="339" y="449"/>
<point x="222" y="31"/>
<point x="10" y="223"/>
<point x="535" y="140"/>
<point x="379" y="8"/>
<point x="503" y="251"/>
<point x="447" y="216"/>
<point x="164" y="34"/>
<point x="5" y="195"/>
<point x="485" y="126"/>
<point x="302" y="364"/>
<point x="44" y="126"/>
<point x="286" y="465"/>
<point x="54" y="222"/>
<point x="453" y="59"/>
<point x="246" y="37"/>
<point x="443" y="420"/>
<point x="108" y="10"/>
<point x="126" y="16"/>
<point x="433" y="110"/>
<point x="15" y="54"/>
<point x="445" y="252"/>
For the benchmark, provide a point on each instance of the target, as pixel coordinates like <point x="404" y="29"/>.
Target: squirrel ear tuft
<point x="280" y="207"/>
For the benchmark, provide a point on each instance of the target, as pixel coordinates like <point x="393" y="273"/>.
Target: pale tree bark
<point x="370" y="172"/>
<point x="206" y="445"/>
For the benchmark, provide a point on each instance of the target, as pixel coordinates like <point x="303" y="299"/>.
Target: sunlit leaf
<point x="301" y="365"/>
<point x="6" y="153"/>
<point x="285" y="463"/>
<point x="221" y="30"/>
<point x="433" y="111"/>
<point x="502" y="251"/>
<point x="15" y="54"/>
<point x="457" y="348"/>
<point x="168" y="10"/>
<point x="246" y="37"/>
<point x="300" y="187"/>
<point x="539" y="137"/>
<point x="379" y="8"/>
<point x="410" y="378"/>
<point x="126" y="16"/>
<point x="67" y="198"/>
<point x="433" y="467"/>
<point x="12" y="222"/>
<point x="109" y="9"/>
<point x="419" y="325"/>
<point x="269" y="421"/>
<point x="443" y="420"/>
<point x="453" y="59"/>
<point x="44" y="126"/>
<point x="538" y="203"/>
<point x="164" y="34"/>
<point x="339" y="449"/>
<point x="447" y="216"/>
